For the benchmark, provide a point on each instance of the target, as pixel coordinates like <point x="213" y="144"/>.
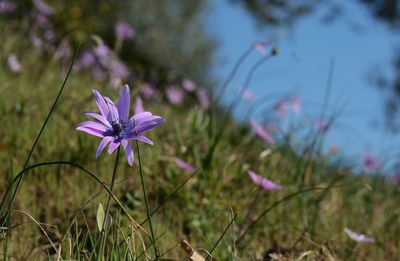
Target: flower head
<point x="260" y="47"/>
<point x="260" y="132"/>
<point x="203" y="96"/>
<point x="188" y="85"/>
<point x="123" y="31"/>
<point x="43" y="7"/>
<point x="370" y="162"/>
<point x="358" y="237"/>
<point x="174" y="94"/>
<point x="114" y="126"/>
<point x="263" y="182"/>
<point x="14" y="64"/>
<point x="185" y="166"/>
<point x="7" y="7"/>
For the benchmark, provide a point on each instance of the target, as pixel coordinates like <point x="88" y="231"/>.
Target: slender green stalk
<point x="146" y="203"/>
<point x="6" y="219"/>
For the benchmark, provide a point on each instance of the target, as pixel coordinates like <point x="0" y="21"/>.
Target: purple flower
<point x="114" y="126"/>
<point x="358" y="237"/>
<point x="64" y="51"/>
<point x="138" y="106"/>
<point x="174" y="94"/>
<point x="43" y="7"/>
<point x="102" y="53"/>
<point x="203" y="97"/>
<point x="42" y="21"/>
<point x="260" y="132"/>
<point x="185" y="166"/>
<point x="14" y="64"/>
<point x="263" y="182"/>
<point x="247" y="95"/>
<point x="7" y="7"/>
<point x="118" y="72"/>
<point x="370" y="162"/>
<point x="149" y="91"/>
<point x="260" y="47"/>
<point x="123" y="31"/>
<point x="36" y="40"/>
<point x="188" y="85"/>
<point x="86" y="60"/>
<point x="281" y="107"/>
<point x="393" y="178"/>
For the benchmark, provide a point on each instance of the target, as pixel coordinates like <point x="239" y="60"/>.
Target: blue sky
<point x="356" y="43"/>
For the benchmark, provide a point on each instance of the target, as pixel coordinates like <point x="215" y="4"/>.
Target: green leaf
<point x="100" y="217"/>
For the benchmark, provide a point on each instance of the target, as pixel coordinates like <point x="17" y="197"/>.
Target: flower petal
<point x="142" y="139"/>
<point x="101" y="103"/>
<point x="128" y="151"/>
<point x="358" y="237"/>
<point x="102" y="145"/>
<point x="259" y="130"/>
<point x="124" y="103"/>
<point x="185" y="166"/>
<point x="91" y="131"/>
<point x="114" y="114"/>
<point x="98" y="117"/>
<point x="113" y="146"/>
<point x="93" y="125"/>
<point x="263" y="182"/>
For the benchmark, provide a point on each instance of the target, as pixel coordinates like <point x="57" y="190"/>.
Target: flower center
<point x="117" y="128"/>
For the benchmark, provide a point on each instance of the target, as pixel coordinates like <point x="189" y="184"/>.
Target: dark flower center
<point x="117" y="128"/>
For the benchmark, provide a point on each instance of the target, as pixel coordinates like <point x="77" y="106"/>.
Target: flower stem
<point x="146" y="203"/>
<point x="111" y="188"/>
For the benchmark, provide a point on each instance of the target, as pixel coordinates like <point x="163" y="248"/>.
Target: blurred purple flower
<point x="260" y="47"/>
<point x="123" y="31"/>
<point x="281" y="107"/>
<point x="114" y="126"/>
<point x="42" y="21"/>
<point x="149" y="91"/>
<point x="370" y="162"/>
<point x="86" y="60"/>
<point x="188" y="85"/>
<point x="185" y="166"/>
<point x="43" y="7"/>
<point x="174" y="94"/>
<point x="14" y="64"/>
<point x="138" y="106"/>
<point x="103" y="53"/>
<point x="260" y="132"/>
<point x="358" y="237"/>
<point x="36" y="40"/>
<point x="98" y="73"/>
<point x="203" y="97"/>
<point x="393" y="178"/>
<point x="7" y="7"/>
<point x="263" y="182"/>
<point x="118" y="72"/>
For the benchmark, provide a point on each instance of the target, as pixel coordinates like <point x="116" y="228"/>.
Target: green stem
<point x="146" y="203"/>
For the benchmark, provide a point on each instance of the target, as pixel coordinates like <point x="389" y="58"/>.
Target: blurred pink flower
<point x="393" y="178"/>
<point x="247" y="95"/>
<point x="7" y="7"/>
<point x="14" y="64"/>
<point x="138" y="106"/>
<point x="185" y="166"/>
<point x="149" y="91"/>
<point x="203" y="97"/>
<point x="43" y="7"/>
<point x="358" y="237"/>
<point x="124" y="31"/>
<point x="260" y="47"/>
<point x="370" y="162"/>
<point x="188" y="85"/>
<point x="281" y="108"/>
<point x="174" y="94"/>
<point x="263" y="183"/>
<point x="260" y="132"/>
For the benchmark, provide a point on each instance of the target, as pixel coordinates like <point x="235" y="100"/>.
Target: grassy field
<point x="217" y="209"/>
